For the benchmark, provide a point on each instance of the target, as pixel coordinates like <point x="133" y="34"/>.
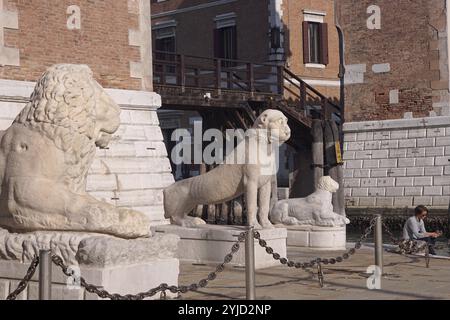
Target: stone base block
<point x="318" y="238"/>
<point x="124" y="279"/>
<point x="117" y="265"/>
<point x="209" y="244"/>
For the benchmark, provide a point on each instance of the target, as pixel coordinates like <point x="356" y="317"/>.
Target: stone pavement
<point x="406" y="277"/>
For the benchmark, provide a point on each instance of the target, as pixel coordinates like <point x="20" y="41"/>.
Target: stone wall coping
<point x="216" y="232"/>
<point x="381" y="125"/>
<point x="21" y="90"/>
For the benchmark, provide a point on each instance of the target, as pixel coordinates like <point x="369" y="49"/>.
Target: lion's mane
<point x="63" y="109"/>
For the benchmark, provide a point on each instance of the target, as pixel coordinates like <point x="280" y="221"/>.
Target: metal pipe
<point x="427" y="256"/>
<point x="45" y="275"/>
<point x="250" y="264"/>
<point x="379" y="242"/>
<point x="341" y="75"/>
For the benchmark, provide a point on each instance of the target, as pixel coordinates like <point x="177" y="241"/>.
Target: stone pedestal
<point x="317" y="238"/>
<point x="209" y="244"/>
<point x="117" y="265"/>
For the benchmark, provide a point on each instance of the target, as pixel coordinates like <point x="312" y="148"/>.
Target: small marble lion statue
<point x="228" y="181"/>
<point x="316" y="209"/>
<point x="46" y="153"/>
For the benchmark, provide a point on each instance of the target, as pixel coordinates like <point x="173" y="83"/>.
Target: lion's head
<point x="70" y="108"/>
<point x="328" y="184"/>
<point x="67" y="96"/>
<point x="276" y="123"/>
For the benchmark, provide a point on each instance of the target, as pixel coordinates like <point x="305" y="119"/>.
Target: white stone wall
<point x="135" y="168"/>
<point x="397" y="163"/>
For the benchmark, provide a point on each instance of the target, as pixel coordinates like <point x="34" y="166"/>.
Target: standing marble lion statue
<point x="234" y="178"/>
<point x="46" y="153"/>
<point x="316" y="209"/>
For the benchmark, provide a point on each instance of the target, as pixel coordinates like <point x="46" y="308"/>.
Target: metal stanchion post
<point x="427" y="257"/>
<point x="45" y="275"/>
<point x="250" y="264"/>
<point x="379" y="242"/>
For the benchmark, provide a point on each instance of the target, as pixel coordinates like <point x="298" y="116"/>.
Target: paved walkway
<point x="406" y="277"/>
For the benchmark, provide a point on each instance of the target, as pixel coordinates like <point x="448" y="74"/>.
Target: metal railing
<point x="187" y="71"/>
<point x="308" y="99"/>
<point x="225" y="75"/>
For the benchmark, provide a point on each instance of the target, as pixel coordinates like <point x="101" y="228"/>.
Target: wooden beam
<point x="334" y="170"/>
<point x="317" y="150"/>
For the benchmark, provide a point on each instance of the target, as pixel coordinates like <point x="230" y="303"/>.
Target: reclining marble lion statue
<point x="230" y="180"/>
<point x="46" y="153"/>
<point x="316" y="209"/>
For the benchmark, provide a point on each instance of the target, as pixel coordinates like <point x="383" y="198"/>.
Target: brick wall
<point x="102" y="42"/>
<point x="195" y="28"/>
<point x="413" y="42"/>
<point x="194" y="32"/>
<point x="293" y="17"/>
<point x="397" y="163"/>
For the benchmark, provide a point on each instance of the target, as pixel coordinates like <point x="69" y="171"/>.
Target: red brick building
<point x="402" y="62"/>
<point x="397" y="107"/>
<point x="299" y="34"/>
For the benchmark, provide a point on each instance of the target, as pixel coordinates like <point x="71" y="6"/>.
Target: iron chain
<point x="162" y="288"/>
<point x="316" y="261"/>
<point x="24" y="283"/>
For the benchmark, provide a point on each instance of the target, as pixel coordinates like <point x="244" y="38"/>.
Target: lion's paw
<point x="132" y="224"/>
<point x="266" y="224"/>
<point x="290" y="221"/>
<point x="255" y="224"/>
<point x="189" y="222"/>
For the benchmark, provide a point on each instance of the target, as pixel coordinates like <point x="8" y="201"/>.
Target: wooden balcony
<point x="203" y="84"/>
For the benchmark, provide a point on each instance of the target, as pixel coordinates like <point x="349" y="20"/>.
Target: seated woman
<point x="414" y="229"/>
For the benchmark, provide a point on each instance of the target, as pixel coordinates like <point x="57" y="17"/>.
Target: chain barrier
<point x="162" y="287"/>
<point x="24" y="283"/>
<point x="406" y="246"/>
<point x="317" y="261"/>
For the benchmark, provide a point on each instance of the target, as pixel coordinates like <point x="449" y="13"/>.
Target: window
<point x="225" y="40"/>
<point x="165" y="49"/>
<point x="226" y="43"/>
<point x="315" y="43"/>
<point x="165" y="44"/>
<point x="164" y="36"/>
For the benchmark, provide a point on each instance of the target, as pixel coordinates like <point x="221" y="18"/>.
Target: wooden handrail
<point x="243" y="62"/>
<point x="307" y="86"/>
<point x="244" y="76"/>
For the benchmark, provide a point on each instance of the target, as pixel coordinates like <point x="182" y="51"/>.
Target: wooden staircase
<point x="232" y="93"/>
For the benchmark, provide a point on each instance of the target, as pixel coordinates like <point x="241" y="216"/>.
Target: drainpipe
<point x="447" y="9"/>
<point x="341" y="74"/>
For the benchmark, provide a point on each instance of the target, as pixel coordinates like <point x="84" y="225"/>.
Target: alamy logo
<point x="253" y="146"/>
<point x="374" y="21"/>
<point x="374" y="280"/>
<point x="74" y="281"/>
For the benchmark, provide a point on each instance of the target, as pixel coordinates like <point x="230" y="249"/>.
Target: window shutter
<point x="234" y="43"/>
<point x="216" y="43"/>
<point x="305" y="42"/>
<point x="324" y="43"/>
